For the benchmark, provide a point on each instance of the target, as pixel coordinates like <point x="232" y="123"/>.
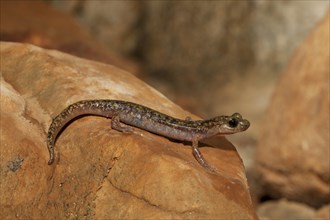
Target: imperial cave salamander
<point x="148" y="119"/>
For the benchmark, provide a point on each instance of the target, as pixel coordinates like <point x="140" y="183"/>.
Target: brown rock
<point x="36" y="23"/>
<point x="284" y="209"/>
<point x="323" y="213"/>
<point x="293" y="154"/>
<point x="99" y="172"/>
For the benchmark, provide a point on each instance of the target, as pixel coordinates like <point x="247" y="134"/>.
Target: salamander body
<point x="148" y="119"/>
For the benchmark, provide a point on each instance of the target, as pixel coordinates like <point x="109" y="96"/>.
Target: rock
<point x="100" y="172"/>
<point x="49" y="28"/>
<point x="292" y="157"/>
<point x="284" y="209"/>
<point x="323" y="213"/>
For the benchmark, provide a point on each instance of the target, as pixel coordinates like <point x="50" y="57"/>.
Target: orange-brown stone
<point x="293" y="154"/>
<point x="99" y="172"/>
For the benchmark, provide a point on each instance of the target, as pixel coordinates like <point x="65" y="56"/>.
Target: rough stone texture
<point x="36" y="23"/>
<point x="323" y="213"/>
<point x="285" y="210"/>
<point x="293" y="155"/>
<point x="101" y="173"/>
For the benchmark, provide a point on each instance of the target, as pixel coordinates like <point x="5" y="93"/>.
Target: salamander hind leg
<point x="117" y="125"/>
<point x="199" y="157"/>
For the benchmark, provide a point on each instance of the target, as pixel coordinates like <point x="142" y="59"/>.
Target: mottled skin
<point x="147" y="119"/>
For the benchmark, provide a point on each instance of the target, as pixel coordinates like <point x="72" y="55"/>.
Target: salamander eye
<point x="233" y="123"/>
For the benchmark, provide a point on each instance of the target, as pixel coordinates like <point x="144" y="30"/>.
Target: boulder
<point x="99" y="172"/>
<point x="37" y="23"/>
<point x="284" y="209"/>
<point x="292" y="157"/>
<point x="323" y="213"/>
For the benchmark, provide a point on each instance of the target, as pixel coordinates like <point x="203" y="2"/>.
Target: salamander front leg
<point x="115" y="124"/>
<point x="199" y="157"/>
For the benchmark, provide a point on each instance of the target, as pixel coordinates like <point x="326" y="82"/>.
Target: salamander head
<point x="228" y="124"/>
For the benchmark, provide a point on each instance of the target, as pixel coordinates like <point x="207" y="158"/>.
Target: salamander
<point x="123" y="113"/>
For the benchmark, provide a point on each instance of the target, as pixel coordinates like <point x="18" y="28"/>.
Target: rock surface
<point x="293" y="155"/>
<point x="285" y="210"/>
<point x="323" y="213"/>
<point x="99" y="172"/>
<point x="36" y="23"/>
